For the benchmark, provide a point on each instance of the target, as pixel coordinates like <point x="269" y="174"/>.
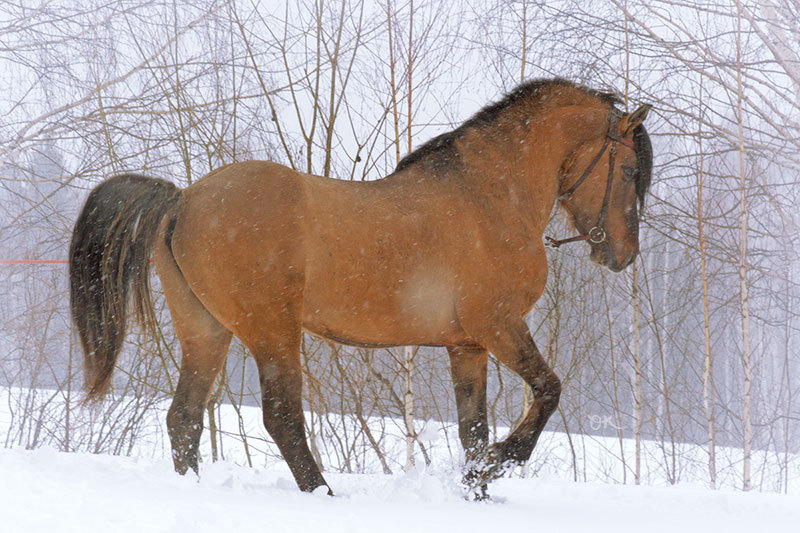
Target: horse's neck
<point x="519" y="172"/>
<point x="529" y="163"/>
<point x="511" y="167"/>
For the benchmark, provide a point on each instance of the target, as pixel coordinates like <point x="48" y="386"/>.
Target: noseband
<point x="597" y="234"/>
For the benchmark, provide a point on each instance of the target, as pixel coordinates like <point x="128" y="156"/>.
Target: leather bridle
<point x="597" y="234"/>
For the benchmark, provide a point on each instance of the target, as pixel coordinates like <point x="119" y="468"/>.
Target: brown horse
<point x="446" y="251"/>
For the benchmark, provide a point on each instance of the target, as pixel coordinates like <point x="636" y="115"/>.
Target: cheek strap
<point x="597" y="234"/>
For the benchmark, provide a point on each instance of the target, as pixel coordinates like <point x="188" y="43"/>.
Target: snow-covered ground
<point x="46" y="490"/>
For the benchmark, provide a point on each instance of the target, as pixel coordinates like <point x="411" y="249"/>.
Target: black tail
<point x="109" y="259"/>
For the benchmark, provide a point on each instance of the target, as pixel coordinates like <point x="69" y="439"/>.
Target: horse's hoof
<point x="322" y="490"/>
<point x="479" y="494"/>
<point x="487" y="470"/>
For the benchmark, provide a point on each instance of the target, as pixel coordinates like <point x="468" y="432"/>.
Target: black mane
<point x="440" y="151"/>
<point x="644" y="156"/>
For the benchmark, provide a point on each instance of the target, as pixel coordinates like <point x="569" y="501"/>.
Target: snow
<point x="47" y="490"/>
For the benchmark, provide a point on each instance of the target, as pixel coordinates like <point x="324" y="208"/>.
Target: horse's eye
<point x="629" y="172"/>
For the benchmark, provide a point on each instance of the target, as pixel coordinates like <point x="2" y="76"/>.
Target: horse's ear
<point x="636" y="118"/>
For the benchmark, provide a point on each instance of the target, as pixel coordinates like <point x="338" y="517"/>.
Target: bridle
<point x="597" y="234"/>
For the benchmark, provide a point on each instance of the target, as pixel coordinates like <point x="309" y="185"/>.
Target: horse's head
<point x="604" y="185"/>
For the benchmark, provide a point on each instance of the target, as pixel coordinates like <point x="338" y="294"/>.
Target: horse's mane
<point x="441" y="154"/>
<point x="644" y="156"/>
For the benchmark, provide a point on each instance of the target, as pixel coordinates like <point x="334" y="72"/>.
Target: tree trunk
<point x="408" y="406"/>
<point x="708" y="367"/>
<point x="743" y="286"/>
<point x="637" y="387"/>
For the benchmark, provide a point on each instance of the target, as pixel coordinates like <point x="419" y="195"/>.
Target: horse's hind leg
<point x="204" y="345"/>
<point x="515" y="348"/>
<point x="276" y="349"/>
<point x="468" y="369"/>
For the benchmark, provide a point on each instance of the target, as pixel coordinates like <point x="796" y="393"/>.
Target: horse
<point x="446" y="251"/>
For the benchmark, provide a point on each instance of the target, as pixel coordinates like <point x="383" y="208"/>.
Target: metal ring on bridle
<point x="597" y="235"/>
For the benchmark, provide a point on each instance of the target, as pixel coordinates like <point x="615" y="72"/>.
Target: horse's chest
<point x="512" y="268"/>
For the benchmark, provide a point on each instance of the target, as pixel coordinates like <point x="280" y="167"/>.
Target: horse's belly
<point x="373" y="309"/>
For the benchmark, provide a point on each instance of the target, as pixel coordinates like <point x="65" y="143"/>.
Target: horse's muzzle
<point x="603" y="254"/>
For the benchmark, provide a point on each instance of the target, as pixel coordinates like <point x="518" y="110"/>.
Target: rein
<point x="597" y="234"/>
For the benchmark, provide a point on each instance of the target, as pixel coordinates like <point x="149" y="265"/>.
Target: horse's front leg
<point x="515" y="348"/>
<point x="468" y="368"/>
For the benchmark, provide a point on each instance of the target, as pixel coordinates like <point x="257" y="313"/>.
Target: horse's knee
<point x="547" y="391"/>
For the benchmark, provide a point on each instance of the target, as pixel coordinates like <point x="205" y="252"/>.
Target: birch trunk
<point x="637" y="385"/>
<point x="786" y="376"/>
<point x="408" y="407"/>
<point x="708" y="367"/>
<point x="408" y="352"/>
<point x="743" y="286"/>
<point x="68" y="406"/>
<point x="637" y="347"/>
<point x="527" y="392"/>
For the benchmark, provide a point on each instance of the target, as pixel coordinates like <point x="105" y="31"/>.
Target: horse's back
<point x="384" y="262"/>
<point x="365" y="262"/>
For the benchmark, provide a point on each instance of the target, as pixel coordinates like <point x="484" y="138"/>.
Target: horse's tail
<point x="109" y="260"/>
